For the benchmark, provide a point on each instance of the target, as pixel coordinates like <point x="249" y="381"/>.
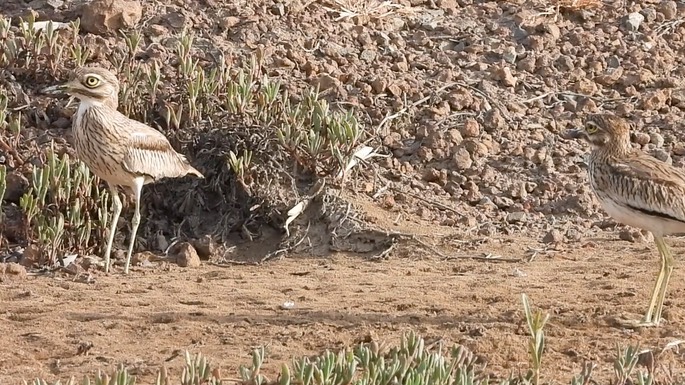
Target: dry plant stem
<point x="429" y="201"/>
<point x="19" y="161"/>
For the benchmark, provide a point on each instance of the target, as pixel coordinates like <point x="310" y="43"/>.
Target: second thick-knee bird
<point x="121" y="151"/>
<point x="635" y="189"/>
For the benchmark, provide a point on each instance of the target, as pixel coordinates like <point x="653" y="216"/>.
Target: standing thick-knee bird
<point x="120" y="151"/>
<point x="637" y="190"/>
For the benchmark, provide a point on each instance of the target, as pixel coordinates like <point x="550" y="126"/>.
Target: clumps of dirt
<point x="12" y="270"/>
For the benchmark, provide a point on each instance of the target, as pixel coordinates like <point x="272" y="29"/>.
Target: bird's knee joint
<point x="136" y="218"/>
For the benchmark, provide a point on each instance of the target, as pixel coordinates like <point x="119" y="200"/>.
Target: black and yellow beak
<point x="60" y="89"/>
<point x="575" y="133"/>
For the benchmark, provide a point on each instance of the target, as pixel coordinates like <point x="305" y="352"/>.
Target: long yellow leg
<point x="116" y="211"/>
<point x="668" y="263"/>
<point x="653" y="316"/>
<point x="135" y="221"/>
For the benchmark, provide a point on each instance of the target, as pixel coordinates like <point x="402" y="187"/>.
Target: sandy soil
<point x="147" y="319"/>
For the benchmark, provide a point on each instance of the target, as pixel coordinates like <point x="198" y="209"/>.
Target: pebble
<point x="516" y="217"/>
<point x="186" y="255"/>
<point x="633" y="21"/>
<point x="656" y="139"/>
<point x="641" y="138"/>
<point x="553" y="236"/>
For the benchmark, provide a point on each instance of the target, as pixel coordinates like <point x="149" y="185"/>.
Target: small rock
<point x="16" y="186"/>
<point x="573" y="235"/>
<point x="449" y="6"/>
<point x="528" y="64"/>
<point x="229" y="22"/>
<point x="506" y="77"/>
<point x="586" y="105"/>
<point x="679" y="149"/>
<point x="493" y="120"/>
<point x="535" y="42"/>
<point x="634" y="235"/>
<point x="461" y="99"/>
<point x="284" y="62"/>
<point x="186" y="256"/>
<point x="475" y="147"/>
<point x="518" y="190"/>
<point x="641" y="138"/>
<point x="379" y="85"/>
<point x="553" y="30"/>
<point x="368" y="55"/>
<point x="585" y="86"/>
<point x="388" y="202"/>
<point x="509" y="55"/>
<point x="205" y="246"/>
<point x="516" y="217"/>
<point x="656" y="139"/>
<point x="633" y="21"/>
<point x="326" y="81"/>
<point x="462" y="159"/>
<point x="654" y="100"/>
<point x="669" y="9"/>
<point x="649" y="13"/>
<point x="554" y="236"/>
<point x="625" y="109"/>
<point x="678" y="98"/>
<point x="471" y="128"/>
<point x="177" y="20"/>
<point x="662" y="155"/>
<point x="278" y="9"/>
<point x="400" y="66"/>
<point x="503" y="202"/>
<point x="425" y="154"/>
<point x="395" y="90"/>
<point x="107" y="16"/>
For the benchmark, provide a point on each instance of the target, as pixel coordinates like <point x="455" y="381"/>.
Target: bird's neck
<point x="615" y="150"/>
<point x="87" y="103"/>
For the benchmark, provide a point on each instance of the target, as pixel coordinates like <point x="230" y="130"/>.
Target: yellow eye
<point x="92" y="81"/>
<point x="591" y="127"/>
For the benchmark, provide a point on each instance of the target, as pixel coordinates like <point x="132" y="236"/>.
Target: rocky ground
<point x="468" y="98"/>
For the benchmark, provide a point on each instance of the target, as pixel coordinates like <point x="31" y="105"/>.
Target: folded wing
<point x="649" y="185"/>
<point x="150" y="153"/>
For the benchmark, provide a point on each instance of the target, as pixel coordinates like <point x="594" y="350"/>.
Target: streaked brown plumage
<point x="637" y="190"/>
<point x="119" y="150"/>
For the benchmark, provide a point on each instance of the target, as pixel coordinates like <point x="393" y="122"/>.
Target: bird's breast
<point x="98" y="145"/>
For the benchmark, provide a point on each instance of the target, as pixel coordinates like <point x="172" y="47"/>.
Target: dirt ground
<point x="480" y="91"/>
<point x="147" y="319"/>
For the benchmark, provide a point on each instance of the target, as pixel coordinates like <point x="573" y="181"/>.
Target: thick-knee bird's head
<point x="602" y="131"/>
<point x="90" y="84"/>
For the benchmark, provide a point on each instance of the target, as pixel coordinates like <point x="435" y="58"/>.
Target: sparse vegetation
<point x="307" y="137"/>
<point x="412" y="362"/>
<point x="66" y="210"/>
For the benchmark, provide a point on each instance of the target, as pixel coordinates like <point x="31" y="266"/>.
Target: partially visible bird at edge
<point x="635" y="189"/>
<point x="121" y="151"/>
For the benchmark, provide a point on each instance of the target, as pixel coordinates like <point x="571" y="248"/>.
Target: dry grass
<point x="371" y="9"/>
<point x="578" y="4"/>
